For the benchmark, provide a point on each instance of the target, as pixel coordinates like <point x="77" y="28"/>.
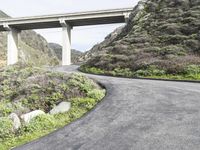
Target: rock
<point x="29" y="116"/>
<point x="61" y="108"/>
<point x="16" y="121"/>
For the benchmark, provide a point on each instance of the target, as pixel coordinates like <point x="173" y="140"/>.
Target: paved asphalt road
<point x="135" y="115"/>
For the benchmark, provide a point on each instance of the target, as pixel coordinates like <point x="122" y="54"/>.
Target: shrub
<point x="170" y="28"/>
<point x="39" y="123"/>
<point x="172" y="49"/>
<point x="172" y="39"/>
<point x="84" y="103"/>
<point x="150" y="71"/>
<point x="193" y="45"/>
<point x="122" y="72"/>
<point x="96" y="94"/>
<point x="175" y="68"/>
<point x="94" y="70"/>
<point x="6" y="128"/>
<point x="82" y="82"/>
<point x="192" y="70"/>
<point x="152" y="49"/>
<point x="6" y="108"/>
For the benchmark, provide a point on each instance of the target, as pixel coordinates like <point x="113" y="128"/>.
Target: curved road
<point x="135" y="115"/>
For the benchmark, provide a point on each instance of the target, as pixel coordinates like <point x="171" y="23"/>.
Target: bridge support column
<point x="12" y="45"/>
<point x="126" y="16"/>
<point x="66" y="43"/>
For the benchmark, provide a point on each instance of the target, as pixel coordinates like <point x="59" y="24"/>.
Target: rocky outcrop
<point x="61" y="108"/>
<point x="26" y="118"/>
<point x="16" y="121"/>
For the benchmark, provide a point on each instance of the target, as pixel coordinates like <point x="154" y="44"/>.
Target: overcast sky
<point x="83" y="38"/>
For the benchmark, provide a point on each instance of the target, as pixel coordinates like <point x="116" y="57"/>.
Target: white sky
<point x="83" y="38"/>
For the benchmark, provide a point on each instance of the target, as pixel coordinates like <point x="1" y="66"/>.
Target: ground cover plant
<point x="25" y="88"/>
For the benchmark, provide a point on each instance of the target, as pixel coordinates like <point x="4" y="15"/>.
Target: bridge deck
<point x="74" y="19"/>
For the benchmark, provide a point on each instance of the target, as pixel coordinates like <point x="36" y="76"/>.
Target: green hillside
<point x="161" y="39"/>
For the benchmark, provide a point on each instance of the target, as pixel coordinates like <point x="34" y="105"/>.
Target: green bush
<point x="192" y="69"/>
<point x="193" y="45"/>
<point x="116" y="72"/>
<point x="123" y="72"/>
<point x="6" y="128"/>
<point x="172" y="39"/>
<point x="82" y="82"/>
<point x="84" y="103"/>
<point x="39" y="123"/>
<point x="172" y="49"/>
<point x="150" y="71"/>
<point x="5" y="108"/>
<point x="94" y="70"/>
<point x="97" y="94"/>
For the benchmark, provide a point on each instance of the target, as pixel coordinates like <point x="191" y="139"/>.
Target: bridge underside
<point x="73" y="23"/>
<point x="64" y="21"/>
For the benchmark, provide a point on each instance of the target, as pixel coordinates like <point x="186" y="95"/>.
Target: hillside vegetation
<point x="161" y="39"/>
<point x="25" y="89"/>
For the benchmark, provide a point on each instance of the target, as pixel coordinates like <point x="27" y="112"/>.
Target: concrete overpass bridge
<point x="65" y="21"/>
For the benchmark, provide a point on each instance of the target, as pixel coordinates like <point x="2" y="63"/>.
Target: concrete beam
<point x="74" y="19"/>
<point x="66" y="42"/>
<point x="12" y="45"/>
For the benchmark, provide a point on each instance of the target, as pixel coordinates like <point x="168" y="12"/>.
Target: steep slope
<point x="58" y="51"/>
<point x="98" y="49"/>
<point x="162" y="37"/>
<point x="3" y="15"/>
<point x="33" y="48"/>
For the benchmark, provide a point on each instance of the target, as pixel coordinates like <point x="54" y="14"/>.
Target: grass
<point x="191" y="72"/>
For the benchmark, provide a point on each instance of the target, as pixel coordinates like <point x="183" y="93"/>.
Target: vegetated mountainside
<point x="58" y="51"/>
<point x="162" y="38"/>
<point x="98" y="49"/>
<point x="33" y="48"/>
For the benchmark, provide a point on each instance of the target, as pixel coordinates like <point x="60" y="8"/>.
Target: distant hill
<point x="33" y="48"/>
<point x="58" y="51"/>
<point x="161" y="37"/>
<point x="3" y="15"/>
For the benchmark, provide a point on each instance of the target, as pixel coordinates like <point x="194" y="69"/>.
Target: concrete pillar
<point x="66" y="43"/>
<point x="12" y="45"/>
<point x="126" y="16"/>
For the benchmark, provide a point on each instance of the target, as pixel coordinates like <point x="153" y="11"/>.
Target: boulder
<point x="29" y="116"/>
<point x="16" y="121"/>
<point x="61" y="108"/>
